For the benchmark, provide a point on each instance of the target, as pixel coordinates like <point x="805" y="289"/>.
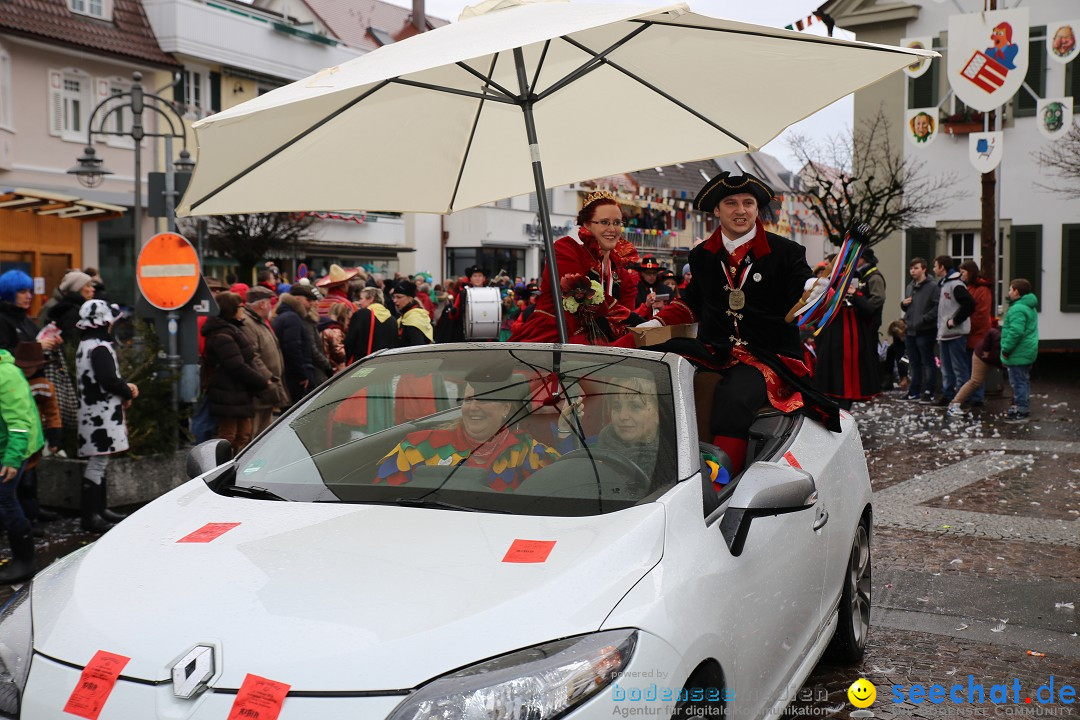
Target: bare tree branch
<point x="862" y="176"/>
<point x="1062" y="159"/>
<point x="247" y="239"/>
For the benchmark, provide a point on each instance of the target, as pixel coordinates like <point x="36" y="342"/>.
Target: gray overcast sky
<point x="775" y="13"/>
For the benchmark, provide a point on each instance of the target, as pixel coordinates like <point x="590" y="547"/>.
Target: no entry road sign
<point x="168" y="271"/>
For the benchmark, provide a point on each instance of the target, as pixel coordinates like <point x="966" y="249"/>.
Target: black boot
<point x="44" y="515"/>
<point x="21" y="566"/>
<point x="109" y="515"/>
<point x="91" y="508"/>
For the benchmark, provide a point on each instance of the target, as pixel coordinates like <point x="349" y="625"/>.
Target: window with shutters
<point x="964" y="245"/>
<point x="6" y="119"/>
<point x="70" y="104"/>
<point x="1070" y="268"/>
<point x="1025" y="257"/>
<point x="118" y="119"/>
<point x="194" y="92"/>
<point x="1072" y="82"/>
<point x="923" y="91"/>
<point x="921" y="242"/>
<point x="1024" y="104"/>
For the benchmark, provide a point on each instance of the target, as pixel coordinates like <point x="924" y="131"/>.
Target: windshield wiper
<point x="421" y="502"/>
<point x="251" y="491"/>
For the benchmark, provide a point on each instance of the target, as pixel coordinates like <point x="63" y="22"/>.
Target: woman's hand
<point x="567" y="410"/>
<point x="134" y="390"/>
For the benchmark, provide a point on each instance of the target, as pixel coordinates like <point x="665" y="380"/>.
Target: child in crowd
<point x="1020" y="346"/>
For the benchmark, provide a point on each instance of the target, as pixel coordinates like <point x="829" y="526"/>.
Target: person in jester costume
<point x="484" y="437"/>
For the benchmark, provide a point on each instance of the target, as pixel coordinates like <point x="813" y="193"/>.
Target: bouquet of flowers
<point x="581" y="297"/>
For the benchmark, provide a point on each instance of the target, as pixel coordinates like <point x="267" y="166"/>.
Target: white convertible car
<point x="462" y="532"/>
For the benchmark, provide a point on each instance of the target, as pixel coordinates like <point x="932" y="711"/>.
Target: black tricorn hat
<point x="726" y="184"/>
<point x="475" y="269"/>
<point x="649" y="262"/>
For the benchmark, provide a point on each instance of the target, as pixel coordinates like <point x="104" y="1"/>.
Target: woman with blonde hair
<point x="332" y="331"/>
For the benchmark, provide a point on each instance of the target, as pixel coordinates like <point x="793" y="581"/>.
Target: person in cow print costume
<point x="103" y="396"/>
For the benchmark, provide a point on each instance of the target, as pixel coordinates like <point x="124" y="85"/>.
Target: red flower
<point x="577" y="287"/>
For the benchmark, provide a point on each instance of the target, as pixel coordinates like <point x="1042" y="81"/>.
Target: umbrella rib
<point x="472" y="134"/>
<point x="593" y="62"/>
<point x="286" y="145"/>
<point x="539" y="66"/>
<point x="452" y="91"/>
<point x="661" y="93"/>
<point x="802" y="38"/>
<point x="488" y="82"/>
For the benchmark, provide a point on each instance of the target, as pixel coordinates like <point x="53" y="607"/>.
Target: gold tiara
<point x="598" y="195"/>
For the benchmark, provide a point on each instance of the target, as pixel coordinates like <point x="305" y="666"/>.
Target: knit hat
<point x="240" y="289"/>
<point x="258" y="293"/>
<point x="97" y="314"/>
<point x="686" y="268"/>
<point x="405" y="287"/>
<point x="74" y="281"/>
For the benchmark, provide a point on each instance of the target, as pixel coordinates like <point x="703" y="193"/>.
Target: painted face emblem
<point x="193" y="671"/>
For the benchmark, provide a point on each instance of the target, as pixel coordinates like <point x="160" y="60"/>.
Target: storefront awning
<point x="50" y="204"/>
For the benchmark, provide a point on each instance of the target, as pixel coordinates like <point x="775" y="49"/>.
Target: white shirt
<point x="733" y="245"/>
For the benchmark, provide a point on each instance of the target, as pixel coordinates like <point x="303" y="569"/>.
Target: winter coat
<point x="268" y="357"/>
<point x="874" y="292"/>
<point x="321" y="366"/>
<point x="20" y="424"/>
<point x="333" y="341"/>
<point x="295" y="347"/>
<point x="102" y="393"/>
<point x="370" y="329"/>
<point x="1020" y="332"/>
<point x="414" y="326"/>
<point x="980" y="319"/>
<point x="15" y="326"/>
<point x="921" y="315"/>
<point x="230" y="359"/>
<point x="65" y="314"/>
<point x="956" y="304"/>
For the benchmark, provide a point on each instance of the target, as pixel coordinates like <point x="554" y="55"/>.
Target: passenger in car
<point x="484" y="437"/>
<point x="633" y="429"/>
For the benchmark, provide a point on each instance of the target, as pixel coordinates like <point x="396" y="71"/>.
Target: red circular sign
<point x="168" y="271"/>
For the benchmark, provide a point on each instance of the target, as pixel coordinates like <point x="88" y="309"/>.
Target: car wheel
<point x="703" y="706"/>
<point x="849" y="642"/>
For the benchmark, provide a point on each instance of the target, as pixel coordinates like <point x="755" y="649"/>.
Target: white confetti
<point x="1000" y="627"/>
<point x="963" y="626"/>
<point x="1063" y="606"/>
<point x="956" y="561"/>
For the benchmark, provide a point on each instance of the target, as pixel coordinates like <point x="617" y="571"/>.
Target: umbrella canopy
<point x="440" y="121"/>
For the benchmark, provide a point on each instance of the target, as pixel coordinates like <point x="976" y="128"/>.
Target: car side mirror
<point x="208" y="455"/>
<point x="765" y="489"/>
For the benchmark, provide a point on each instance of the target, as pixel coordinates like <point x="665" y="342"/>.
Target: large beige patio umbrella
<point x="519" y="96"/>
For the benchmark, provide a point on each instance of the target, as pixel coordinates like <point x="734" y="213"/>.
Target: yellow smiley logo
<point x="862" y="693"/>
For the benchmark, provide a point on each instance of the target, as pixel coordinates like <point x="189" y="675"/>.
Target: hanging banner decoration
<point x="988" y="56"/>
<point x="984" y="150"/>
<point x="1055" y="117"/>
<point x="921" y="125"/>
<point x="1061" y="43"/>
<point x="919" y="67"/>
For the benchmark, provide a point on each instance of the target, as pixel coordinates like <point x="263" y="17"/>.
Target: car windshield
<point x="475" y="430"/>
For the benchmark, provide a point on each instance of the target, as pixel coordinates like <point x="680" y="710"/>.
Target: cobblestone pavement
<point x="976" y="555"/>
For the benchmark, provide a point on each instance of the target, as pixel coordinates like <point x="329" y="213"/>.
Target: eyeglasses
<point x="608" y="223"/>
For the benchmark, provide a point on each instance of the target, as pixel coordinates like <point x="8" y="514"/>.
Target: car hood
<point x="334" y="597"/>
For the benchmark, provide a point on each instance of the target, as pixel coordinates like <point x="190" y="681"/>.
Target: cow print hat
<point x="97" y="314"/>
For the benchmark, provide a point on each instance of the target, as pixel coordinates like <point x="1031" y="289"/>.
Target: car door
<point x="769" y="587"/>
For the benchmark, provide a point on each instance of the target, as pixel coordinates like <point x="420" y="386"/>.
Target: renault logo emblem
<point x="190" y="675"/>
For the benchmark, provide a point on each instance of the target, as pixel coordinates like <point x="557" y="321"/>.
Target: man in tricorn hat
<point x="744" y="281"/>
<point x="648" y="269"/>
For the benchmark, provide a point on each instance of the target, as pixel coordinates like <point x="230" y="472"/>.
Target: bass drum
<point x="483" y="313"/>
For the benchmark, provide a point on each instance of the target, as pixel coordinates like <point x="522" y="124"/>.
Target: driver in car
<point x="484" y="437"/>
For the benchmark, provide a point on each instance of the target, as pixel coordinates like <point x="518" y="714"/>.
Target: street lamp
<point x="89" y="168"/>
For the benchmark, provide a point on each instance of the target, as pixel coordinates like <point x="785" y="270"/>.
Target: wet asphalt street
<point x="976" y="555"/>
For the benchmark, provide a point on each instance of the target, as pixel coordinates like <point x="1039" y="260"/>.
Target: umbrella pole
<point x="526" y="100"/>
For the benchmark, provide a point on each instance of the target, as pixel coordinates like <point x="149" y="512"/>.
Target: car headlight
<point x="537" y="683"/>
<point x="16" y="647"/>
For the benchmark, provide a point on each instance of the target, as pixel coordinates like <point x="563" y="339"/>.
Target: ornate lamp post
<point x="89" y="168"/>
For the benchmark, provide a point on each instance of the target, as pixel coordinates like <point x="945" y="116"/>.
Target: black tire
<point x="699" y="709"/>
<point x="849" y="643"/>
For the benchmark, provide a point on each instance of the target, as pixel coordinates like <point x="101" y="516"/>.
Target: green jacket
<point x="20" y="423"/>
<point x="1020" y="332"/>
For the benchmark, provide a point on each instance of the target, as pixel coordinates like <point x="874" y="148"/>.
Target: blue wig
<point x="14" y="281"/>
